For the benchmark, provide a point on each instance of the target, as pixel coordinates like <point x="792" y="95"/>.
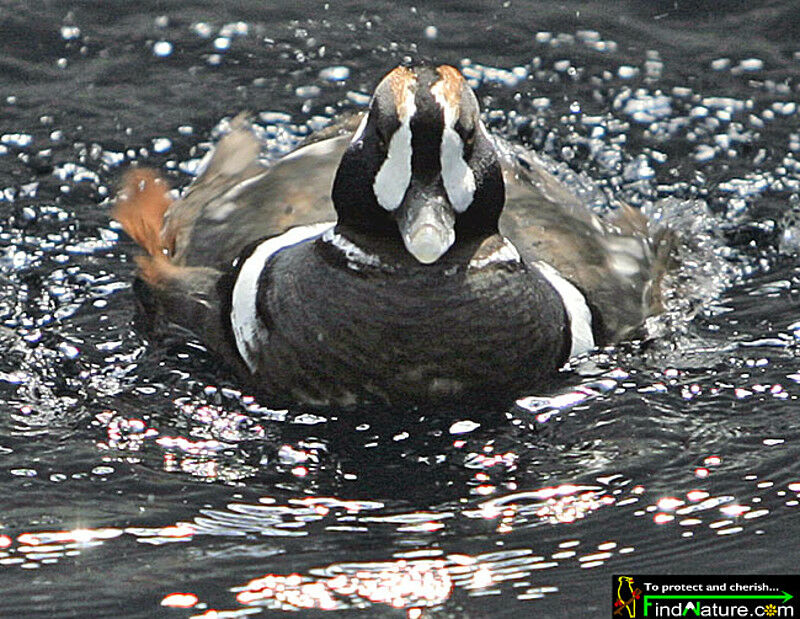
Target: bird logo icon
<point x="627" y="594"/>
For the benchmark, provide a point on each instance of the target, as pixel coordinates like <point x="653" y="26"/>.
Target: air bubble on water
<point x="222" y="43"/>
<point x="20" y="140"/>
<point x="785" y="108"/>
<point x="653" y="68"/>
<point x="642" y="107"/>
<point x="111" y="158"/>
<point x="638" y="169"/>
<point x="431" y="32"/>
<point x="751" y="64"/>
<point x="720" y="64"/>
<point x="317" y="123"/>
<point x="307" y="92"/>
<point x="70" y="32"/>
<point x="162" y="145"/>
<point x="162" y="49"/>
<point x="588" y="36"/>
<point x="275" y="118"/>
<point x="334" y="74"/>
<point x="704" y="153"/>
<point x="235" y="29"/>
<point x="68" y="350"/>
<point x="28" y="190"/>
<point x="627" y="72"/>
<point x="61" y="63"/>
<point x="358" y="98"/>
<point x="23" y="472"/>
<point x="561" y="65"/>
<point x="202" y="29"/>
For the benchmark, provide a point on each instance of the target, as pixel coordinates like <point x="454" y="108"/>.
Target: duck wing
<point x="617" y="263"/>
<point x="237" y="200"/>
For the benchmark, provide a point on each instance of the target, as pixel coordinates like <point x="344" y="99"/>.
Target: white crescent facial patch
<point x="457" y="176"/>
<point x="394" y="177"/>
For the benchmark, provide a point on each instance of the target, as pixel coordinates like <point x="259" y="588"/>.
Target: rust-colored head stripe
<point x="450" y="84"/>
<point x="402" y="81"/>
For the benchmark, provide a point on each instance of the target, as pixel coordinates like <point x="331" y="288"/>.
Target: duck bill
<point x="426" y="221"/>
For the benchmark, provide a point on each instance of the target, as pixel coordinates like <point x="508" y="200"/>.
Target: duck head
<point x="421" y="166"/>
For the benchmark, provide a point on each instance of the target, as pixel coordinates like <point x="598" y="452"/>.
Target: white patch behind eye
<point x="457" y="176"/>
<point x="394" y="177"/>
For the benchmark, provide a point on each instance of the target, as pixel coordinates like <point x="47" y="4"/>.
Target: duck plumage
<point x="400" y="255"/>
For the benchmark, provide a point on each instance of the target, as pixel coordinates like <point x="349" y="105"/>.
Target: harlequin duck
<point x="411" y="257"/>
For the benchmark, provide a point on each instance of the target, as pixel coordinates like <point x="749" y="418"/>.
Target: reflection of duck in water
<point x="442" y="265"/>
<point x="626" y="598"/>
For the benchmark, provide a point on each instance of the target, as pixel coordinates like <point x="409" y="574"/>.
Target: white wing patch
<point x="580" y="317"/>
<point x="457" y="176"/>
<point x="248" y="330"/>
<point x="394" y="177"/>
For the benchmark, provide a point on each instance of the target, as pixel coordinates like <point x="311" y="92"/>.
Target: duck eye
<point x="466" y="131"/>
<point x="385" y="134"/>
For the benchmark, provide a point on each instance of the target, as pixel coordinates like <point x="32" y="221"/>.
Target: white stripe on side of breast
<point x="580" y="317"/>
<point x="248" y="330"/>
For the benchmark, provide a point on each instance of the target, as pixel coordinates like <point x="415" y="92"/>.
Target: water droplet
<point x="70" y="32"/>
<point x="720" y="64"/>
<point x="307" y="92"/>
<point x="751" y="64"/>
<point x="202" y="29"/>
<point x="334" y="74"/>
<point x="162" y="49"/>
<point x="161" y="145"/>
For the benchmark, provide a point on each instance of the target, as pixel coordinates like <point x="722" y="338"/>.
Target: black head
<point x="421" y="166"/>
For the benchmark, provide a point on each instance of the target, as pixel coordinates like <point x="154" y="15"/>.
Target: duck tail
<point x="173" y="293"/>
<point x="140" y="207"/>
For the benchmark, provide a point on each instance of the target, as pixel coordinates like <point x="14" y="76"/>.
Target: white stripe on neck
<point x="248" y="330"/>
<point x="580" y="317"/>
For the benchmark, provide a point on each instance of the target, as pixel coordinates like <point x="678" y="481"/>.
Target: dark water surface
<point x="131" y="470"/>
